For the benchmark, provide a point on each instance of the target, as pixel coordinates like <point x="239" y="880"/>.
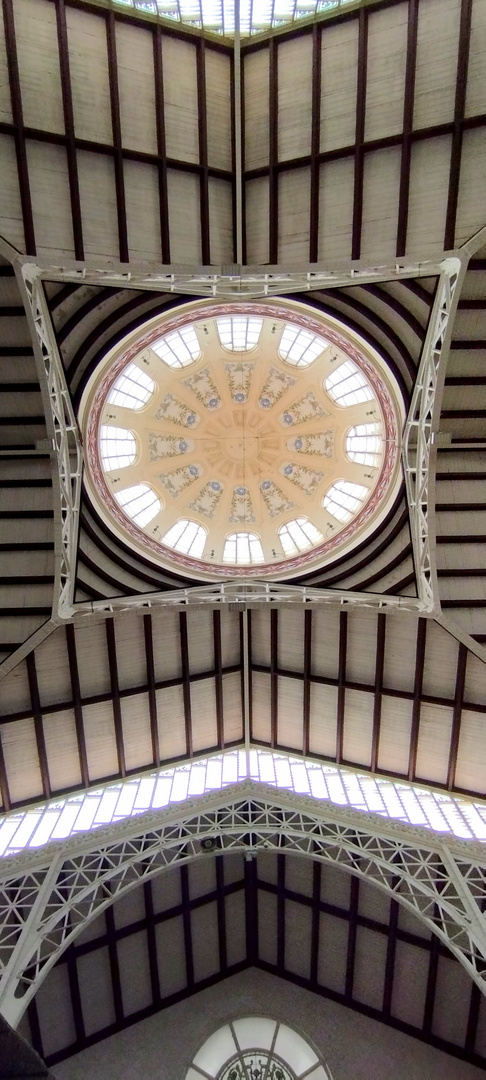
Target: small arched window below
<point x="132" y="389"/>
<point x="364" y="444"/>
<point x="347" y="385"/>
<point x="239" y="333"/>
<point x="139" y="503"/>
<point x="299" y="535"/>
<point x="243" y="549"/>
<point x="117" y="448"/>
<point x="343" y="499"/>
<point x="299" y="347"/>
<point x="179" y="348"/>
<point x="187" y="537"/>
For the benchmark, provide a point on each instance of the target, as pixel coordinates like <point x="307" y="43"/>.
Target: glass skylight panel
<point x="218" y="16"/>
<point x="364" y="444"/>
<point x="132" y="389"/>
<point x="139" y="502"/>
<point x="118" y="448"/>
<point x="179" y="348"/>
<point x="187" y="537"/>
<point x="347" y="385"/>
<point x="243" y="549"/>
<point x="299" y="347"/>
<point x="239" y="333"/>
<point x="344" y="499"/>
<point x="298" y="535"/>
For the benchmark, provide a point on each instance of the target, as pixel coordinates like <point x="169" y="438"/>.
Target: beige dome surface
<point x="248" y="439"/>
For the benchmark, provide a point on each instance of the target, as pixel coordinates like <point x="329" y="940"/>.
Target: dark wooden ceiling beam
<point x="273" y="152"/>
<point x="390" y="959"/>
<point x="281" y="863"/>
<point x="221" y="914"/>
<point x="408" y="107"/>
<point x="117" y="138"/>
<point x="38" y="725"/>
<point x="186" y="922"/>
<point x="18" y="126"/>
<point x="341" y="684"/>
<point x="352" y="934"/>
<point x="152" y="944"/>
<point x="251" y="910"/>
<point x="152" y="695"/>
<point x="360" y="133"/>
<point x="115" y="695"/>
<point x="306" y="708"/>
<point x="274" y="678"/>
<point x="315" y="143"/>
<point x="74" y="990"/>
<point x="67" y="104"/>
<point x="459" y="109"/>
<point x="161" y="145"/>
<point x="316" y="923"/>
<point x="457" y="714"/>
<point x="114" y="967"/>
<point x="202" y="117"/>
<point x="377" y="704"/>
<point x="431" y="986"/>
<point x="4" y="785"/>
<point x="77" y="705"/>
<point x="417" y="696"/>
<point x="218" y="667"/>
<point x="186" y="686"/>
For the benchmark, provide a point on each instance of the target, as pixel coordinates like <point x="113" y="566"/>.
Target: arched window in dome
<point x="364" y="444"/>
<point x="187" y="537"/>
<point x="347" y="385"/>
<point x="118" y="448"/>
<point x="179" y="348"/>
<point x="239" y="333"/>
<point x="300" y="347"/>
<point x="299" y="535"/>
<point x="139" y="502"/>
<point x="243" y="549"/>
<point x="132" y="389"/>
<point x="344" y="499"/>
<point x="257" y="1046"/>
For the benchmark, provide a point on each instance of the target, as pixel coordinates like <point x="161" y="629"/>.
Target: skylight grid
<point x="132" y="389"/>
<point x="179" y="348"/>
<point x="218" y="16"/>
<point x="347" y="385"/>
<point x="118" y="448"/>
<point x="59" y="819"/>
<point x="187" y="537"/>
<point x="343" y="500"/>
<point x="239" y="333"/>
<point x="364" y="444"/>
<point x="243" y="549"/>
<point x="299" y="347"/>
<point x="139" y="502"/>
<point x="298" y="535"/>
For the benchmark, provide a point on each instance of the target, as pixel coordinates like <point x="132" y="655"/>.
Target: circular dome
<point x="260" y="1048"/>
<point x="242" y="439"/>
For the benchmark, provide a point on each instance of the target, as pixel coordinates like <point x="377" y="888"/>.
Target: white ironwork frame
<point x="245" y="282"/>
<point x="63" y="430"/>
<point x="48" y="897"/>
<point x="422" y="423"/>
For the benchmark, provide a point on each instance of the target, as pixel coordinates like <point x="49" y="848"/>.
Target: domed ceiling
<point x="242" y="439"/>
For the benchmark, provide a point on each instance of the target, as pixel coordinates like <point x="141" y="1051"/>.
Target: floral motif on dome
<point x="177" y="412"/>
<point x="241" y="511"/>
<point x="178" y="480"/>
<point x="306" y="408"/>
<point x="205" y="389"/>
<point x="239" y="380"/>
<point x="306" y="479"/>
<point x="207" y="499"/>
<point x="275" y="385"/>
<point x="321" y="443"/>
<point x="274" y="498"/>
<point x="161" y="446"/>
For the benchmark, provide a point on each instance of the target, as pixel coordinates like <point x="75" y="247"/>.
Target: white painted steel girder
<point x="47" y="897"/>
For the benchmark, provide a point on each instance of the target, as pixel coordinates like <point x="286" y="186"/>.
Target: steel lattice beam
<point x="47" y="897"/>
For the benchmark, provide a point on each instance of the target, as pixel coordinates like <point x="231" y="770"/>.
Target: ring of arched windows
<point x="186" y="536"/>
<point x="178" y="349"/>
<point x="347" y="385"/>
<point x="239" y="333"/>
<point x="132" y="389"/>
<point x="299" y="347"/>
<point x="139" y="502"/>
<point x="118" y="447"/>
<point x="364" y="444"/>
<point x="343" y="499"/>
<point x="243" y="549"/>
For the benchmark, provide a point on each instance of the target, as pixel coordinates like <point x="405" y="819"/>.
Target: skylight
<point x="257" y="1048"/>
<point x="364" y="444"/>
<point x="299" y="347"/>
<point x="396" y="800"/>
<point x="118" y="448"/>
<point x="347" y="385"/>
<point x="343" y="499"/>
<point x="139" y="503"/>
<point x="186" y="536"/>
<point x="239" y="333"/>
<point x="218" y="16"/>
<point x="298" y="535"/>
<point x="179" y="348"/>
<point x="243" y="549"/>
<point x="132" y="389"/>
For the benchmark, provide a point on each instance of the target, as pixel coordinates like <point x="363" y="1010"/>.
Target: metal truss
<point x="63" y="430"/>
<point x="231" y="282"/>
<point x="422" y="424"/>
<point x="47" y="897"/>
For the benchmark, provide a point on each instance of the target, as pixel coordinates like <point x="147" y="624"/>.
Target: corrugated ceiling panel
<point x="136" y="731"/>
<point x="358" y="727"/>
<point x="395" y="730"/>
<point x="170" y="712"/>
<point x="290" y="713"/>
<point x="323" y="713"/>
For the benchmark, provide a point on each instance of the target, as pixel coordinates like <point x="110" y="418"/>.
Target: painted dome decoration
<point x="251" y="439"/>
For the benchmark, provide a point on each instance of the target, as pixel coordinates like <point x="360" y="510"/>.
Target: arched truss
<point x="48" y="896"/>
